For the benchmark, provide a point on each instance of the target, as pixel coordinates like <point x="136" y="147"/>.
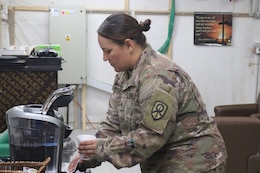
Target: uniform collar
<point x="132" y="77"/>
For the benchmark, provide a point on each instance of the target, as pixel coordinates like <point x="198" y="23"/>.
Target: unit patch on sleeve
<point x="158" y="110"/>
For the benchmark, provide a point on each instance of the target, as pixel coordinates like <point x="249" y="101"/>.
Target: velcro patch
<point x="158" y="110"/>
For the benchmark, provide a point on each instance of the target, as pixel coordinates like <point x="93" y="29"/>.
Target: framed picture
<point x="213" y="28"/>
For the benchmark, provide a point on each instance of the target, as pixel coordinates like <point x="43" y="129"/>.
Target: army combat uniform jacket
<point x="156" y="117"/>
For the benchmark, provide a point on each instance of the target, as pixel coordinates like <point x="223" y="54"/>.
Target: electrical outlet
<point x="257" y="50"/>
<point x="256" y="47"/>
<point x="257" y="15"/>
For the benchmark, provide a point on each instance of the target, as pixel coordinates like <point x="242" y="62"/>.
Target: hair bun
<point x="145" y="26"/>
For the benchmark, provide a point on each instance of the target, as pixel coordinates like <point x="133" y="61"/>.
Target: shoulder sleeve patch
<point x="158" y="110"/>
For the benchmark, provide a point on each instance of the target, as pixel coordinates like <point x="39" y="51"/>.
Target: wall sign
<point x="212" y="28"/>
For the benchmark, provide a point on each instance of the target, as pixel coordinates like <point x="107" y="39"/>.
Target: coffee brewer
<point x="37" y="131"/>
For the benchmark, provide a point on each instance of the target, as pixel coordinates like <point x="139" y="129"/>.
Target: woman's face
<point x="117" y="55"/>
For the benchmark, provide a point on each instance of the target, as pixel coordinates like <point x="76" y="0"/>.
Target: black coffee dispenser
<point x="37" y="131"/>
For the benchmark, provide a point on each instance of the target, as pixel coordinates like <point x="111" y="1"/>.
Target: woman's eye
<point x="107" y="51"/>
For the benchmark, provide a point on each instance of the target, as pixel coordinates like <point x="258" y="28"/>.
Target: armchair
<point x="239" y="125"/>
<point x="242" y="139"/>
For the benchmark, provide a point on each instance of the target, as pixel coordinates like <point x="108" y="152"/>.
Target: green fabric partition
<point x="4" y="137"/>
<point x="165" y="47"/>
<point x="4" y="144"/>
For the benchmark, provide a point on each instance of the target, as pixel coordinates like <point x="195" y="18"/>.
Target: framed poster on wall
<point x="212" y="28"/>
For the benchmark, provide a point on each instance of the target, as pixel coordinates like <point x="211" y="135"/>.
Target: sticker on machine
<point x="55" y="11"/>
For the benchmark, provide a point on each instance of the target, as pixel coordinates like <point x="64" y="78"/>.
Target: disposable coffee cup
<point x="82" y="138"/>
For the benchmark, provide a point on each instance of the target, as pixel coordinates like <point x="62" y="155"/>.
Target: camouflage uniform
<point x="156" y="117"/>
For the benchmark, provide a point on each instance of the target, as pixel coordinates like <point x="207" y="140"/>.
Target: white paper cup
<point x="82" y="138"/>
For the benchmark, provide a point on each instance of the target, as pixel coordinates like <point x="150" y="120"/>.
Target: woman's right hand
<point x="73" y="164"/>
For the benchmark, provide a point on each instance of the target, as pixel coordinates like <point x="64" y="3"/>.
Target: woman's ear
<point x="129" y="44"/>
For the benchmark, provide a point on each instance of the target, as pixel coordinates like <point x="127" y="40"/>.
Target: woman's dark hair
<point x="121" y="26"/>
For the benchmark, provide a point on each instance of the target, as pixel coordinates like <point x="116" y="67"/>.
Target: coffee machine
<point x="37" y="131"/>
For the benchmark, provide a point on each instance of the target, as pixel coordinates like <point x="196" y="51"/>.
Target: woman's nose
<point x="105" y="58"/>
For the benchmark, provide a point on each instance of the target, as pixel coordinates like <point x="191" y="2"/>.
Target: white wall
<point x="223" y="74"/>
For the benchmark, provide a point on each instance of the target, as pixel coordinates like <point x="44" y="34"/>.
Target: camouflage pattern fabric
<point x="157" y="118"/>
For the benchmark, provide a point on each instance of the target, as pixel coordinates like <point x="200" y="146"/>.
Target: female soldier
<point x="156" y="116"/>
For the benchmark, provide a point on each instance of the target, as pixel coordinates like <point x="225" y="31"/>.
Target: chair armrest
<point x="256" y="115"/>
<point x="253" y="163"/>
<point x="236" y="110"/>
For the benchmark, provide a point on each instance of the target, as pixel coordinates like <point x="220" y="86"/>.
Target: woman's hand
<point x="73" y="164"/>
<point x="87" y="148"/>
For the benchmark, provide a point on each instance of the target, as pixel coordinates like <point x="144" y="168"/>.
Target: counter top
<point x="28" y="63"/>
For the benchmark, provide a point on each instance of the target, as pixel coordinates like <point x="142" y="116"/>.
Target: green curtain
<point x="164" y="48"/>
